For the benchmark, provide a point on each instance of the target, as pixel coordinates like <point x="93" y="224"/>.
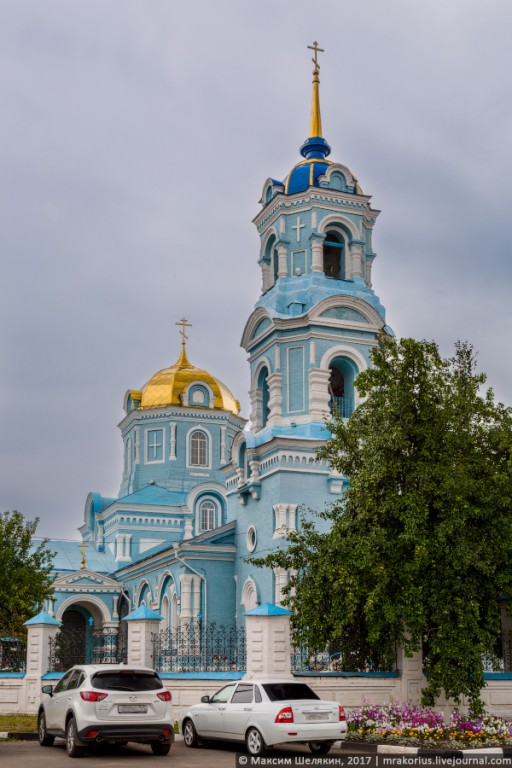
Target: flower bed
<point x="405" y="724"/>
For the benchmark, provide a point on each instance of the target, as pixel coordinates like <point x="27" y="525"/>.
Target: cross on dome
<point x="184" y="324"/>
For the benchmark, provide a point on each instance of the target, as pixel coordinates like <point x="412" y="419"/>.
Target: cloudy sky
<point x="135" y="137"/>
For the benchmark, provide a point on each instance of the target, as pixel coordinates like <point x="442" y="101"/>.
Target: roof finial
<point x="183" y="357"/>
<point x="315" y="147"/>
<point x="315" y="127"/>
<point x="82" y="564"/>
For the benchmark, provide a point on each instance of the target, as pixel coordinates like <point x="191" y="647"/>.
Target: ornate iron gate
<point x="197" y="646"/>
<point x="94" y="645"/>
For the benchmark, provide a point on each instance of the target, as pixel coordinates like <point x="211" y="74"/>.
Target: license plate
<point x="317" y="715"/>
<point x="131" y="709"/>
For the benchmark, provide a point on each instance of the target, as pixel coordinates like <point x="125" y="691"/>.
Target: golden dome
<point x="168" y="387"/>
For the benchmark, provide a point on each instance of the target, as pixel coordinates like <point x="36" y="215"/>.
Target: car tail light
<point x="167" y="733"/>
<point x="285" y="716"/>
<point x="93" y="696"/>
<point x="92" y="734"/>
<point x="165" y="696"/>
<point x="342" y="715"/>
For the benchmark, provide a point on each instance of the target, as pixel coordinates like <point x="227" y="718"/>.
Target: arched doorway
<point x="341" y="387"/>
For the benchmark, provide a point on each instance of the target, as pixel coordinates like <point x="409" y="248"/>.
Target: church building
<point x="203" y="489"/>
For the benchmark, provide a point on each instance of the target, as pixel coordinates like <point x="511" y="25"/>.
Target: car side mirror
<point x="204" y="699"/>
<point x="47" y="689"/>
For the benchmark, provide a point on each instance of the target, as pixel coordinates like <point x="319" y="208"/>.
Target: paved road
<point x="28" y="754"/>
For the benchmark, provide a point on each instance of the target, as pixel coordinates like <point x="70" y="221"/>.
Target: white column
<point x="140" y="640"/>
<point x="172" y="440"/>
<point x="292" y="517"/>
<point x="282" y="253"/>
<point x="256" y="407"/>
<point x="275" y="400"/>
<point x="186" y="596"/>
<point x="317" y="252"/>
<point x="223" y="445"/>
<point x="266" y="276"/>
<point x="319" y="393"/>
<point x="281" y="580"/>
<point x="280" y="511"/>
<point x="268" y="642"/>
<point x="254" y="465"/>
<point x="40" y="630"/>
<point x="356" y="258"/>
<point x="137" y="445"/>
<point x="196" y="584"/>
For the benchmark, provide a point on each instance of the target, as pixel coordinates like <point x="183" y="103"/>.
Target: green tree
<point x="25" y="572"/>
<point x="419" y="550"/>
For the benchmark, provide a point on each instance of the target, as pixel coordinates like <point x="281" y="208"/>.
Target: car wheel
<point x="160" y="747"/>
<point x="320" y="747"/>
<point x="73" y="748"/>
<point x="254" y="742"/>
<point x="190" y="734"/>
<point x="45" y="739"/>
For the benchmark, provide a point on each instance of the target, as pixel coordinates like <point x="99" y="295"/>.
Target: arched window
<point x="198" y="396"/>
<point x="242" y="461"/>
<point x="207" y="515"/>
<point x="334" y="256"/>
<point x="341" y="387"/>
<point x="198" y="449"/>
<point x="265" y="395"/>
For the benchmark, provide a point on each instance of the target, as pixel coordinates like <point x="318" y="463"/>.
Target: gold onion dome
<point x="168" y="386"/>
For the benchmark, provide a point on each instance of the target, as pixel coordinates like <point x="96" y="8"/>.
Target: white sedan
<point x="263" y="713"/>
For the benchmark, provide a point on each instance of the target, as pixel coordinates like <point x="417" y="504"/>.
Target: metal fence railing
<point x="197" y="646"/>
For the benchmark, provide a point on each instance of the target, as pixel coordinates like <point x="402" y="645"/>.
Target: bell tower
<point x="317" y="318"/>
<point x="309" y="335"/>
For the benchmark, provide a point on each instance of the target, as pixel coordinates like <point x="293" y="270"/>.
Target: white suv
<point x="107" y="702"/>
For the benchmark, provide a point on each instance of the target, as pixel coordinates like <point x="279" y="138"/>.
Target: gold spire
<point x="183" y="361"/>
<point x="82" y="564"/>
<point x="315" y="126"/>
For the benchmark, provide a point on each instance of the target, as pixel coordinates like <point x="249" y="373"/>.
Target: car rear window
<point x="126" y="680"/>
<point x="287" y="691"/>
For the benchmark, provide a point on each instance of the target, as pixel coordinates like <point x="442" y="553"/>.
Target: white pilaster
<point x="275" y="400"/>
<point x="186" y="596"/>
<point x="319" y="393"/>
<point x="356" y="258"/>
<point x="282" y="253"/>
<point x="172" y="440"/>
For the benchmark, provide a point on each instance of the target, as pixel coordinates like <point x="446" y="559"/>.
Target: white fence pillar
<point x="39" y="631"/>
<point x="268" y="642"/>
<point x="142" y="623"/>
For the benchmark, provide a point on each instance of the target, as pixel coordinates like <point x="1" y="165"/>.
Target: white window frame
<point x="208" y="437"/>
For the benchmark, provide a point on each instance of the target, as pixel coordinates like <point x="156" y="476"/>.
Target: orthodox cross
<point x="298" y="226"/>
<point x="184" y="324"/>
<point x="317" y="50"/>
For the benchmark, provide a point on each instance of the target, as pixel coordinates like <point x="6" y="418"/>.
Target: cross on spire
<point x="317" y="50"/>
<point x="184" y="324"/>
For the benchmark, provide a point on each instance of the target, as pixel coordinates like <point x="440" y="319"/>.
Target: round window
<point x="251" y="539"/>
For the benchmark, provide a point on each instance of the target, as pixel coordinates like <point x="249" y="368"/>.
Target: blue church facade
<point x="203" y="489"/>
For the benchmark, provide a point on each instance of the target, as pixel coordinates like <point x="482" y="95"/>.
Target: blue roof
<point x="268" y="609"/>
<point x="68" y="556"/>
<point x="143" y="613"/>
<point x="154" y="494"/>
<point x="305" y="175"/>
<point x="42" y="618"/>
